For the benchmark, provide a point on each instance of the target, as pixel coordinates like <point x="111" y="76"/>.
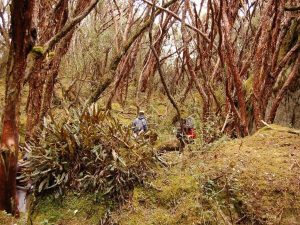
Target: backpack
<point x="139" y="124"/>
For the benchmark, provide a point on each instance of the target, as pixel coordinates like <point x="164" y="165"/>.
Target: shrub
<point x="211" y="129"/>
<point x="88" y="151"/>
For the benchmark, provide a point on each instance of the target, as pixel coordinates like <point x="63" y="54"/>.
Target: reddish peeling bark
<point x="43" y="76"/>
<point x="52" y="74"/>
<point x="274" y="26"/>
<point x="50" y="22"/>
<point x="238" y="104"/>
<point x="190" y="68"/>
<point x="21" y="43"/>
<point x="36" y="83"/>
<point x="116" y="59"/>
<point x="160" y="72"/>
<point x="123" y="71"/>
<point x="292" y="76"/>
<point x="262" y="67"/>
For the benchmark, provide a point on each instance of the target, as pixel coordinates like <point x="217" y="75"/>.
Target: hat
<point x="141" y="112"/>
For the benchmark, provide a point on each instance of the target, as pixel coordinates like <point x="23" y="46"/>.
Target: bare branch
<point x="205" y="36"/>
<point x="159" y="66"/>
<point x="292" y="9"/>
<point x="68" y="27"/>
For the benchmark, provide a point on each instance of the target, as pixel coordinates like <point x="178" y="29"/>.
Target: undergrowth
<point x="88" y="151"/>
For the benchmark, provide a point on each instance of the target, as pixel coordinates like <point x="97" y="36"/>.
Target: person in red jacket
<point x="186" y="131"/>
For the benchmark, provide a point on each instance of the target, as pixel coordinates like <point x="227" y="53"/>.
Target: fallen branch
<point x="291" y="131"/>
<point x="225" y="123"/>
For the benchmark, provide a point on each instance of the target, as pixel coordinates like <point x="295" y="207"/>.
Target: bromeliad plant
<point x="88" y="151"/>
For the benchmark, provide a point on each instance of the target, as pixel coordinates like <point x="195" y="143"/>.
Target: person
<point x="190" y="128"/>
<point x="186" y="132"/>
<point x="139" y="125"/>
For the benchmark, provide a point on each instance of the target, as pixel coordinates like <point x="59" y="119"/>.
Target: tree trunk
<point x="233" y="70"/>
<point x="49" y="21"/>
<point x="52" y="74"/>
<point x="21" y="43"/>
<point x="124" y="70"/>
<point x="292" y="76"/>
<point x="43" y="77"/>
<point x="190" y="69"/>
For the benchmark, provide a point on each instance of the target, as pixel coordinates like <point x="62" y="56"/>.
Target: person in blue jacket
<point x="139" y="125"/>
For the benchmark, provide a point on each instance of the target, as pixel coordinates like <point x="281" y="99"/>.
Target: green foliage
<point x="178" y="186"/>
<point x="211" y="129"/>
<point x="220" y="95"/>
<point x="248" y="86"/>
<point x="51" y="54"/>
<point x="39" y="50"/>
<point x="88" y="151"/>
<point x="46" y="222"/>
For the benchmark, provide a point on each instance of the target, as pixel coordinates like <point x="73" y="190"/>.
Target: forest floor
<point x="254" y="180"/>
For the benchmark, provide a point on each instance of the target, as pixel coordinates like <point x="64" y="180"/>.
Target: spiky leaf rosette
<point x="88" y="151"/>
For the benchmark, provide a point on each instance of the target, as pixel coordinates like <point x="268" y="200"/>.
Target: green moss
<point x="259" y="172"/>
<point x="51" y="54"/>
<point x="248" y="86"/>
<point x="156" y="216"/>
<point x="171" y="199"/>
<point x="175" y="187"/>
<point x="72" y="209"/>
<point x="161" y="216"/>
<point x="220" y="95"/>
<point x="290" y="39"/>
<point x="116" y="106"/>
<point x="39" y="50"/>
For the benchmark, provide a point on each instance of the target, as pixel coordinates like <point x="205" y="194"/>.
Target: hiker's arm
<point x="145" y="126"/>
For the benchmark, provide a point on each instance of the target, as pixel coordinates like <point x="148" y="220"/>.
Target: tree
<point x="117" y="57"/>
<point x="23" y="35"/>
<point x="56" y="35"/>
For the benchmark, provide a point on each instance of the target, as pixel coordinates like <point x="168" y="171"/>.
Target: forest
<point x="155" y="112"/>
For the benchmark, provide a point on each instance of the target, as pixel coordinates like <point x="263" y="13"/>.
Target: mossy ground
<point x="254" y="180"/>
<point x="70" y="210"/>
<point x="262" y="174"/>
<point x="8" y="219"/>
